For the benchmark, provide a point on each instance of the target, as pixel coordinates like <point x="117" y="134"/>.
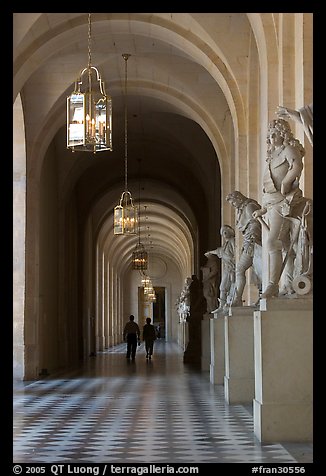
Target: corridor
<point x="159" y="411"/>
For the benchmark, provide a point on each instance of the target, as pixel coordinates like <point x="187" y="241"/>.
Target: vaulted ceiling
<point x="181" y="90"/>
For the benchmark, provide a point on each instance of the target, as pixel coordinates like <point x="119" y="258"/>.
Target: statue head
<point x="236" y="198"/>
<point x="227" y="231"/>
<point x="281" y="129"/>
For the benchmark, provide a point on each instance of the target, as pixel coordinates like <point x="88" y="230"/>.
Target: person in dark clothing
<point x="131" y="333"/>
<point x="149" y="335"/>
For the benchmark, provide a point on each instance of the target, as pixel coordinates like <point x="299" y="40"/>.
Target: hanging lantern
<point x="125" y="218"/>
<point x="148" y="288"/>
<point x="139" y="257"/>
<point x="145" y="281"/>
<point x="89" y="110"/>
<point x="151" y="297"/>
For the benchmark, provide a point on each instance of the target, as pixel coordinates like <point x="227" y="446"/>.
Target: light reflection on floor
<point x="158" y="411"/>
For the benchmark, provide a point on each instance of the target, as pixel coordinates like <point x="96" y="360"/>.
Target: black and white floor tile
<point x="159" y="411"/>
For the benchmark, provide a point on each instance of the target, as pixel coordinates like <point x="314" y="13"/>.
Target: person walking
<point x="131" y="334"/>
<point x="149" y="335"/>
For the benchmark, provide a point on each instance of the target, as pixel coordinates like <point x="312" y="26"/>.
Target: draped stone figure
<point x="227" y="255"/>
<point x="289" y="214"/>
<point x="250" y="255"/>
<point x="211" y="277"/>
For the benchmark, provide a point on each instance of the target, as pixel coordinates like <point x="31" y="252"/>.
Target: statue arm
<point x="304" y="116"/>
<point x="258" y="213"/>
<point x="250" y="209"/>
<point x="217" y="252"/>
<point x="295" y="160"/>
<point x="287" y="113"/>
<point x="252" y="233"/>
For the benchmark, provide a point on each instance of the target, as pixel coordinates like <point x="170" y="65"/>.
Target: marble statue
<point x="302" y="273"/>
<point x="285" y="206"/>
<point x="227" y="255"/>
<point x="303" y="115"/>
<point x="183" y="302"/>
<point x="250" y="255"/>
<point x="211" y="277"/>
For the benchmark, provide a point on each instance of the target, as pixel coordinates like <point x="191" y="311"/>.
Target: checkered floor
<point x="158" y="411"/>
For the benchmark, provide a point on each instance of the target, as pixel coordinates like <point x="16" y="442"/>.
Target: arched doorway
<point x="159" y="311"/>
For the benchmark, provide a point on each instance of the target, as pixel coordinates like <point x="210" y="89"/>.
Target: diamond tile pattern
<point x="115" y="410"/>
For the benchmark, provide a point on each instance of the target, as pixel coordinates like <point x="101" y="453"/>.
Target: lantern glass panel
<point x="118" y="220"/>
<point x="76" y="120"/>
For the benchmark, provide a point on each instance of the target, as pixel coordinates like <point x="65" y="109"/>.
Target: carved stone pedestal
<point x="183" y="337"/>
<point x="192" y="354"/>
<point x="283" y="349"/>
<point x="217" y="366"/>
<point x="239" y="380"/>
<point x="205" y="343"/>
